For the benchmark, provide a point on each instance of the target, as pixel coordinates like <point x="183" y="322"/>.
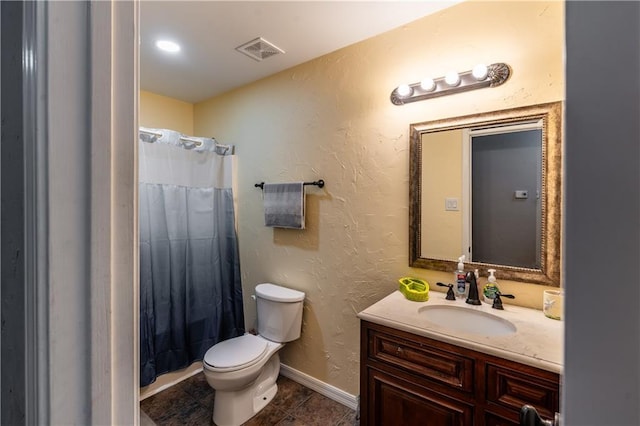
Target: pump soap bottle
<point x="461" y="284"/>
<point x="490" y="289"/>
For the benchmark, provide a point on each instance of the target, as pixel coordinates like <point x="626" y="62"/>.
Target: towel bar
<point x="318" y="183"/>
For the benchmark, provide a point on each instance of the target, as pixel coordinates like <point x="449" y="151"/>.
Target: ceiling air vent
<point x="259" y="49"/>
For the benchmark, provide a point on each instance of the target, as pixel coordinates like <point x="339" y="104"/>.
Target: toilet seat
<point x="236" y="353"/>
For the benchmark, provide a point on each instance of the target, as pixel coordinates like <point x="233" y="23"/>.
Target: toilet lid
<point x="277" y="293"/>
<point x="235" y="352"/>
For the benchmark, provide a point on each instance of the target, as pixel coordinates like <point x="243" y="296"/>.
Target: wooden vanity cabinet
<point x="406" y="380"/>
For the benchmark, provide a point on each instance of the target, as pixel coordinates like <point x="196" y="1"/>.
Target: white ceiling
<point x="209" y="32"/>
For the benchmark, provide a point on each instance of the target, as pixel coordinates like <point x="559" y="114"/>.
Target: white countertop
<point x="537" y="341"/>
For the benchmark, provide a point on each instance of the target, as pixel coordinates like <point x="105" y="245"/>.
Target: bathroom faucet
<point x="497" y="302"/>
<point x="472" y="298"/>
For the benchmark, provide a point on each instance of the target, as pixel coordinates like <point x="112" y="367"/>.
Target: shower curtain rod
<point x="185" y="138"/>
<point x="197" y="142"/>
<point x="182" y="138"/>
<point x="149" y="132"/>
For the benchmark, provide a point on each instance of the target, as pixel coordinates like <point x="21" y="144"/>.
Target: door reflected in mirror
<point x="488" y="186"/>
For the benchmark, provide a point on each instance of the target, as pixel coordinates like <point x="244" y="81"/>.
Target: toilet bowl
<point x="243" y="370"/>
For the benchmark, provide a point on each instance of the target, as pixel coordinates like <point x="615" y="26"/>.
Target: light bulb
<point x="480" y="72"/>
<point x="428" y="84"/>
<point x="452" y="78"/>
<point x="404" y="90"/>
<point x="168" y="46"/>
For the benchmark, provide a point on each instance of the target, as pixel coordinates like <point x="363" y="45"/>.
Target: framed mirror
<point x="488" y="186"/>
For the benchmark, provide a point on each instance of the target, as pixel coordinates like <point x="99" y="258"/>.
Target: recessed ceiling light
<point x="168" y="46"/>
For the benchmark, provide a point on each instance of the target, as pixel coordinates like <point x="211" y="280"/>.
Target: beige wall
<point x="161" y="112"/>
<point x="331" y="118"/>
<point x="441" y="178"/>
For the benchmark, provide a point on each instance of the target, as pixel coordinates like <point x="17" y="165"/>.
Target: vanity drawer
<point x="513" y="388"/>
<point x="421" y="357"/>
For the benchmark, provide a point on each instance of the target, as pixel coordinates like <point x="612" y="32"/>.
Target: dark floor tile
<point x="292" y="421"/>
<point x="349" y="419"/>
<point x="290" y="394"/>
<point x="197" y="387"/>
<point x="320" y="410"/>
<point x="269" y="416"/>
<point x="207" y="401"/>
<point x="190" y="403"/>
<point x="199" y="416"/>
<point x="196" y="416"/>
<point x="166" y="404"/>
<point x="180" y="413"/>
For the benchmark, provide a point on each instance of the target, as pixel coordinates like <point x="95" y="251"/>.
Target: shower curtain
<point x="190" y="289"/>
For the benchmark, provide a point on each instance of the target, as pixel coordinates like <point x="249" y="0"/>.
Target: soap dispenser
<point x="460" y="279"/>
<point x="490" y="289"/>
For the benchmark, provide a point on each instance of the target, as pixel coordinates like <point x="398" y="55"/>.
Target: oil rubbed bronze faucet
<point x="497" y="302"/>
<point x="472" y="298"/>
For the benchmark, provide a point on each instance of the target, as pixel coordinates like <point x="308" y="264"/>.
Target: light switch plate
<point x="451" y="204"/>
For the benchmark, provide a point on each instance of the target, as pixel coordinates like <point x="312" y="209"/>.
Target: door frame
<point x="80" y="96"/>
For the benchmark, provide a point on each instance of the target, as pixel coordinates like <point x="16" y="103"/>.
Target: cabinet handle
<point x="529" y="417"/>
<point x="399" y="351"/>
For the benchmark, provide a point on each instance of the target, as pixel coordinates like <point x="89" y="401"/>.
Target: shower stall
<point x="190" y="287"/>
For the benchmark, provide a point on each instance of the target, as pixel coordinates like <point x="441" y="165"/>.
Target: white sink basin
<point x="467" y="320"/>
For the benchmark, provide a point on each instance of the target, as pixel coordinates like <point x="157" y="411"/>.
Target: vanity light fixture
<point x="452" y="78"/>
<point x="404" y="90"/>
<point x="168" y="46"/>
<point x="480" y="72"/>
<point x="481" y="76"/>
<point x="428" y="85"/>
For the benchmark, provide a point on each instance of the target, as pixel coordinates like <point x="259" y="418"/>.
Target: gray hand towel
<point x="284" y="205"/>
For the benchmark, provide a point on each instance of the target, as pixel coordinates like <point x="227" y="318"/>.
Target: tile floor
<point x="191" y="403"/>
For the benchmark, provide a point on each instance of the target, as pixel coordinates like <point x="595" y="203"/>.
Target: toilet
<point x="243" y="370"/>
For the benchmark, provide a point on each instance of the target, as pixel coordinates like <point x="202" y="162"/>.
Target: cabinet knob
<point x="399" y="351"/>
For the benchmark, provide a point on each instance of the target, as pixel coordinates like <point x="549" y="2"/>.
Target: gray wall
<point x="12" y="219"/>
<point x="602" y="215"/>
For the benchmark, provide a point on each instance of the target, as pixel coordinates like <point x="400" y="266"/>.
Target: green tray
<point x="414" y="289"/>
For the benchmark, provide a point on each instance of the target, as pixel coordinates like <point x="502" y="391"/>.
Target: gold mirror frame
<point x="551" y="116"/>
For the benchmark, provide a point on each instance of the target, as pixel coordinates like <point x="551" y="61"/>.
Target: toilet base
<point x="232" y="408"/>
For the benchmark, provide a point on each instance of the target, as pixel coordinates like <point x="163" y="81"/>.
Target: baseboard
<point x="319" y="386"/>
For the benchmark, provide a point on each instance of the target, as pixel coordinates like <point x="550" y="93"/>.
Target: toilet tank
<point x="279" y="312"/>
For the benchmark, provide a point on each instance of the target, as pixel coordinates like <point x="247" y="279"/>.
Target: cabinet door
<point x="392" y="401"/>
<point x="491" y="419"/>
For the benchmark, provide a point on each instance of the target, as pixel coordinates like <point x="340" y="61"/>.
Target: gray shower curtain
<point x="190" y="289"/>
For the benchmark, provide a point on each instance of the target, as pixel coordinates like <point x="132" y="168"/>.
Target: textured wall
<point x="162" y="112"/>
<point x="331" y="118"/>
